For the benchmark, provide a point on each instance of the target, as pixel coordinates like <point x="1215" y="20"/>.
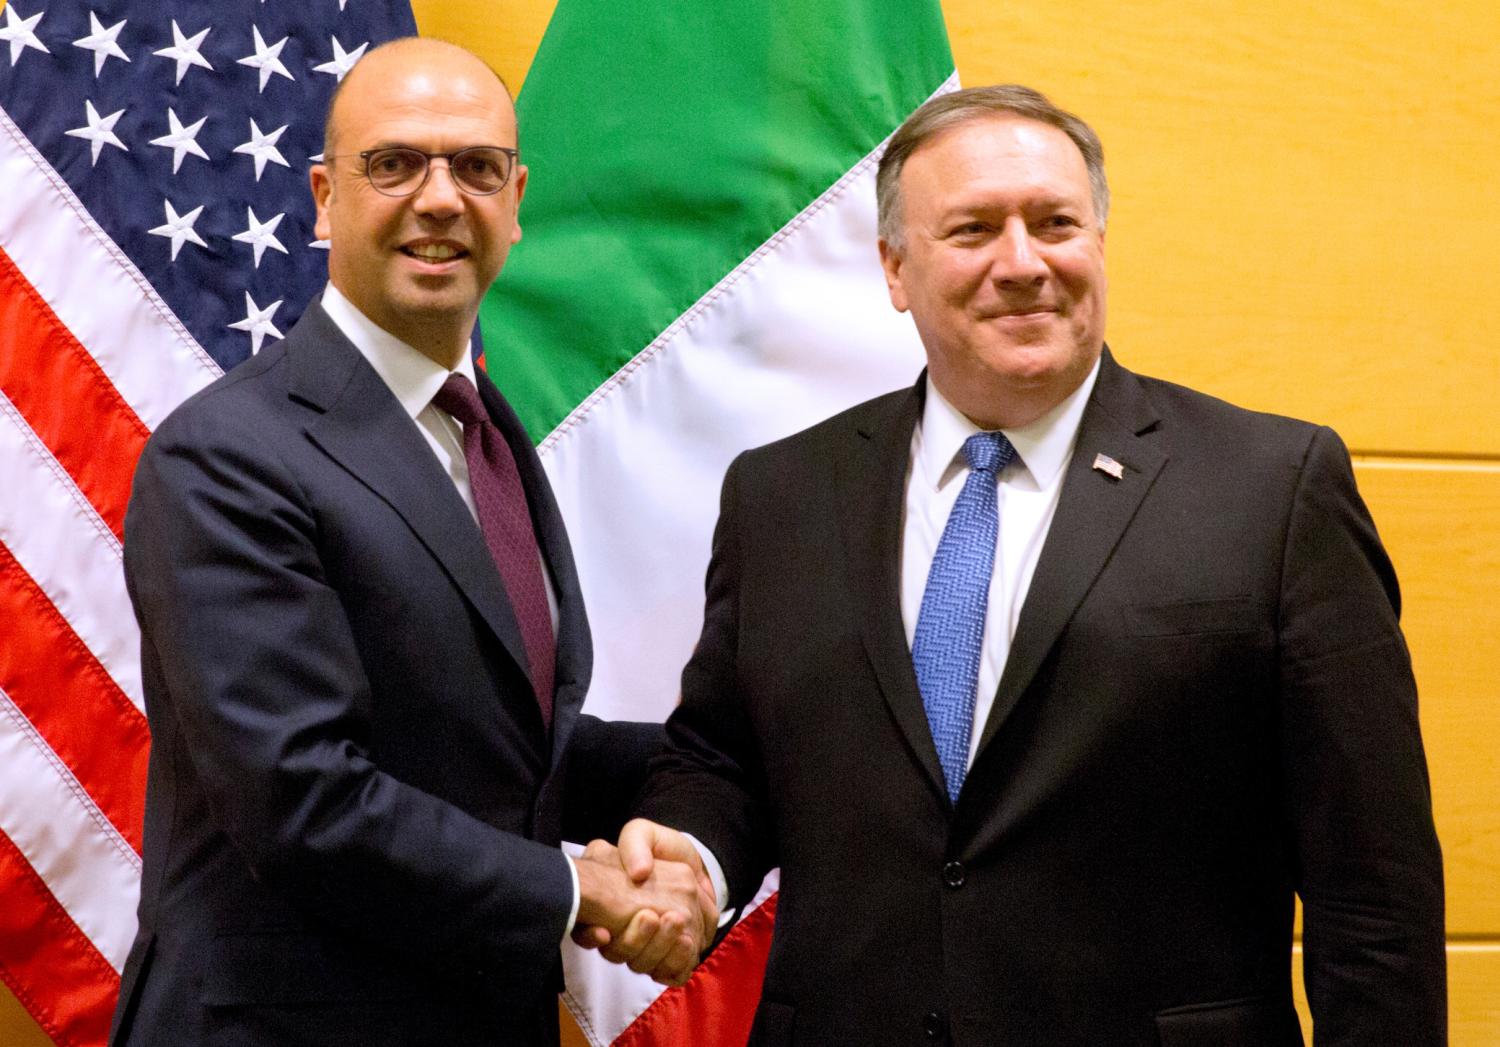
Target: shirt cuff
<point x="716" y="874"/>
<point x="577" y="898"/>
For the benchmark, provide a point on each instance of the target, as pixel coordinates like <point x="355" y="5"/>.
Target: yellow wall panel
<point x="1441" y="525"/>
<point x="1304" y="214"/>
<point x="504" y="32"/>
<point x="1474" y="994"/>
<point x="17" y="1029"/>
<point x="571" y="1034"/>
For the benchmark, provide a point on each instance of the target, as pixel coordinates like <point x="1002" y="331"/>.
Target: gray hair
<point x="973" y="103"/>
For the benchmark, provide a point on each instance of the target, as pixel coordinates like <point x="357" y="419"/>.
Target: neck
<point x="444" y="343"/>
<point x="443" y="353"/>
<point x="1013" y="412"/>
<point x="441" y="337"/>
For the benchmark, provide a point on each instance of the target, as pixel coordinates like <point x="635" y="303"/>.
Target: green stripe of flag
<point x="666" y="143"/>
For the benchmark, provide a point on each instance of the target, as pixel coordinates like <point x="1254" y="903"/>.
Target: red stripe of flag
<point x="67" y="695"/>
<point x="66" y="399"/>
<point x="49" y="963"/>
<point x="719" y="1001"/>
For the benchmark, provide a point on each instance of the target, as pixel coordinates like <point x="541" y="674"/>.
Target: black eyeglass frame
<point x="513" y="154"/>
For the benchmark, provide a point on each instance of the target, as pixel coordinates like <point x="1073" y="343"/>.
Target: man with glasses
<point x="364" y="646"/>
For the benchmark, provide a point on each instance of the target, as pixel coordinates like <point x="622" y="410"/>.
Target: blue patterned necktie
<point x="950" y="626"/>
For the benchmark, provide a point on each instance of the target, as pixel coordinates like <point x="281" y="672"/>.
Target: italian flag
<point x="697" y="276"/>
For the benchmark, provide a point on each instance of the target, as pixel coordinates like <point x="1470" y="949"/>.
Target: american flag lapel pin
<point x="1105" y="464"/>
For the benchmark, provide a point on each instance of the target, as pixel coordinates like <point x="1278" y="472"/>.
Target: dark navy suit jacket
<point x="353" y="805"/>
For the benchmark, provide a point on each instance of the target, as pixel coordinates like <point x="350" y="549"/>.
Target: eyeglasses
<point x="480" y="170"/>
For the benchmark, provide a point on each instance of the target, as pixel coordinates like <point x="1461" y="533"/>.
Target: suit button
<point x="934" y="1026"/>
<point x="953" y="874"/>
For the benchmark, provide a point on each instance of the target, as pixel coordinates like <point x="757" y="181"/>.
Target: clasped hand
<point x="648" y="903"/>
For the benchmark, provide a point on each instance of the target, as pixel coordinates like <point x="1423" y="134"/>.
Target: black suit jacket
<point x="353" y="805"/>
<point x="1207" y="707"/>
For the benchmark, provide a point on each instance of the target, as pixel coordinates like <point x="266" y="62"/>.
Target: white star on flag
<point x="267" y="59"/>
<point x="257" y="321"/>
<point x="343" y="61"/>
<point x="321" y="245"/>
<point x="100" y="131"/>
<point x="184" y="51"/>
<point x="181" y="140"/>
<point x="102" y="42"/>
<point x="179" y="227"/>
<point x="21" y="32"/>
<point x="263" y="147"/>
<point x="261" y="235"/>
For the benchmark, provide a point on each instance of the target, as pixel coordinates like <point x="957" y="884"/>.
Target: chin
<point x="429" y="307"/>
<point x="1029" y="364"/>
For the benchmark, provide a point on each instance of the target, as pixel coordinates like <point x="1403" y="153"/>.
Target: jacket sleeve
<point x="710" y="780"/>
<point x="606" y="767"/>
<point x="262" y="678"/>
<point x="1356" y="787"/>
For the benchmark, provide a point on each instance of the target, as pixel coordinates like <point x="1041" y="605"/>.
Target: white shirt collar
<point x="1042" y="447"/>
<point x="413" y="377"/>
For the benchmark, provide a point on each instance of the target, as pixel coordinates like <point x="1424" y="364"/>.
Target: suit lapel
<point x="363" y="428"/>
<point x="871" y="483"/>
<point x="1093" y="512"/>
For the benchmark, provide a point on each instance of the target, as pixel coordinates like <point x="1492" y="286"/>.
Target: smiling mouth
<point x="434" y="252"/>
<point x="1024" y="314"/>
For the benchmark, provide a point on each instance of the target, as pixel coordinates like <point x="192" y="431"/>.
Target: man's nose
<point x="439" y="195"/>
<point x="1016" y="259"/>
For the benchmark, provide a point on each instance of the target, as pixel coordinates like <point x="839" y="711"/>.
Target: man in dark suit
<point x="364" y="645"/>
<point x="1047" y="685"/>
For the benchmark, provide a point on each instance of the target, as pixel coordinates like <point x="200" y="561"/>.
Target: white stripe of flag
<point x="89" y="867"/>
<point x="71" y="554"/>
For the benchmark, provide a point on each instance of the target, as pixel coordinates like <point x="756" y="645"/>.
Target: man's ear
<point x="518" y="179"/>
<point x="890" y="261"/>
<point x="321" y="183"/>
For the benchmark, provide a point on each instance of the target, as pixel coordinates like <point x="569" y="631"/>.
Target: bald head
<point x="397" y="57"/>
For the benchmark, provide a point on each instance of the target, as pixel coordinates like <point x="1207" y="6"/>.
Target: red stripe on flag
<point x="51" y="966"/>
<point x="68" y="696"/>
<point x="66" y="399"/>
<point x="718" y="1003"/>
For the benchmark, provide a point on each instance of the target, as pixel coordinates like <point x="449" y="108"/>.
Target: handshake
<point x="647" y="903"/>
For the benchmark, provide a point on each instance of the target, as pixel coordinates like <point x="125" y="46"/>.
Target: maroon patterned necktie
<point x="506" y="523"/>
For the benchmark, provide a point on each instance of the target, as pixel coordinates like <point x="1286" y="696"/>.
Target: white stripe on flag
<point x="605" y="998"/>
<point x="92" y="287"/>
<point x="800" y="330"/>
<point x="89" y="868"/>
<point x="60" y="541"/>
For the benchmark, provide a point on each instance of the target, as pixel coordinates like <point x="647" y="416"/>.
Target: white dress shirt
<point x="1028" y="491"/>
<point x="414" y="379"/>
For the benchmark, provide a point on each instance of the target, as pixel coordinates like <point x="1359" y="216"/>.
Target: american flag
<point x="155" y="230"/>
